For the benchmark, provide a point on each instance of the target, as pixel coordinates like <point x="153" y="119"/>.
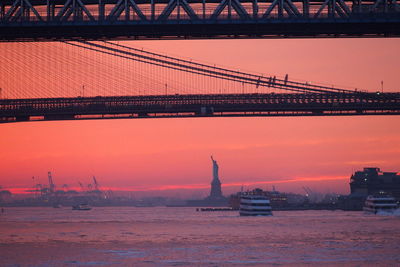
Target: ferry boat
<point x="376" y="203"/>
<point x="81" y="207"/>
<point x="254" y="205"/>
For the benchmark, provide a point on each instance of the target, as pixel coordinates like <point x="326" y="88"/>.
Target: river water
<point x="162" y="236"/>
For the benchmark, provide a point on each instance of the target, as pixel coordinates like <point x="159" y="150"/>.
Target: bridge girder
<point x="220" y="105"/>
<point x="141" y="19"/>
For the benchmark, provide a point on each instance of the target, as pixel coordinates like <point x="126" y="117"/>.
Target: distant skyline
<point x="159" y="154"/>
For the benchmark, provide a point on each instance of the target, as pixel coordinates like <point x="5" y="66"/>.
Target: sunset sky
<point x="163" y="155"/>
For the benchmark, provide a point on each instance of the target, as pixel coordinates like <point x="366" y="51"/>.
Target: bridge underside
<point x="179" y="106"/>
<point x="209" y="30"/>
<point x="33" y="20"/>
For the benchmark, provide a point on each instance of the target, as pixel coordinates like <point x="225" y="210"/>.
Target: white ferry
<point x="254" y="205"/>
<point x="376" y="203"/>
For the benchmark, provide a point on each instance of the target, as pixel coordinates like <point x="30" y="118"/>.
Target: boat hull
<point x="375" y="204"/>
<point x="81" y="207"/>
<point x="242" y="213"/>
<point x="254" y="205"/>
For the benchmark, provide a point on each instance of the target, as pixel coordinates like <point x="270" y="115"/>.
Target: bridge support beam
<point x="200" y="31"/>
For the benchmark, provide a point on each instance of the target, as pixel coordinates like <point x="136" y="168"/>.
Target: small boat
<point x="254" y="205"/>
<point x="81" y="207"/>
<point x="380" y="203"/>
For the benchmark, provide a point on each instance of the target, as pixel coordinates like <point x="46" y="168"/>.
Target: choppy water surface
<point x="181" y="236"/>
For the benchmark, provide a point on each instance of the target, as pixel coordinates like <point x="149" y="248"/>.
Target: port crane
<point x="96" y="184"/>
<point x="52" y="186"/>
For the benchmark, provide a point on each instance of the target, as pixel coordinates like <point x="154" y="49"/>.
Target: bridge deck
<point x="220" y="105"/>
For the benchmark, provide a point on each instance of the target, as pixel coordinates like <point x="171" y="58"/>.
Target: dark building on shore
<point x="368" y="182"/>
<point x="373" y="181"/>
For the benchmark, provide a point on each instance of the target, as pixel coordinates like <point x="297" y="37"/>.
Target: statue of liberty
<point x="216" y="192"/>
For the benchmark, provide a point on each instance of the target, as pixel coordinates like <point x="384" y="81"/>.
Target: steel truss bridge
<point x="35" y="20"/>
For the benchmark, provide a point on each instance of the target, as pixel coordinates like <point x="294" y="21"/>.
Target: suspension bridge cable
<point x="279" y="82"/>
<point x="158" y="64"/>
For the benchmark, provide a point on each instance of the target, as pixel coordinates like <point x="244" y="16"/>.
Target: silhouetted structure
<point x="373" y="181"/>
<point x="215" y="192"/>
<point x="367" y="182"/>
<point x="215" y="199"/>
<point x="295" y="98"/>
<point x="196" y="106"/>
<point x="40" y="20"/>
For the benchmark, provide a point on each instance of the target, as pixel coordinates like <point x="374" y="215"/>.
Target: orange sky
<point x="319" y="152"/>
